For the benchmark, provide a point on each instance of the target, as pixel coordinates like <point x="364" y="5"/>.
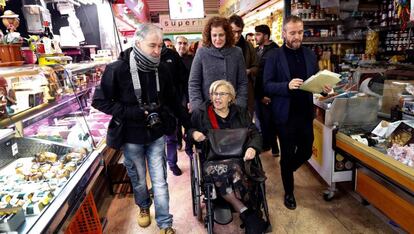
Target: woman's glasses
<point x="220" y="94"/>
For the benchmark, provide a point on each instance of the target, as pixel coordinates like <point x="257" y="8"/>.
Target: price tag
<point x="15" y="150"/>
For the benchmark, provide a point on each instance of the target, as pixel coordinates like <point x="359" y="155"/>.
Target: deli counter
<point x="52" y="144"/>
<point x="372" y="133"/>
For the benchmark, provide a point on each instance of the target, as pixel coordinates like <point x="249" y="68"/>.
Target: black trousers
<point x="296" y="139"/>
<point x="265" y="115"/>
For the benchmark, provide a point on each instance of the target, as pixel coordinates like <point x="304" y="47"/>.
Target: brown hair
<point x="217" y="21"/>
<point x="293" y="19"/>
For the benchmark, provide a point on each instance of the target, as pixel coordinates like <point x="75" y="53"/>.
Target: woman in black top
<point x="229" y="115"/>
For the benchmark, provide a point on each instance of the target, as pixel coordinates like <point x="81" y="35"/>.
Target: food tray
<point x="28" y="147"/>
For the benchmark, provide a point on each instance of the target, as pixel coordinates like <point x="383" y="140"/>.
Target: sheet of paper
<point x="316" y="82"/>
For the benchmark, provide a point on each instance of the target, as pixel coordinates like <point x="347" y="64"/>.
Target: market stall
<point x="57" y="145"/>
<point x="369" y="43"/>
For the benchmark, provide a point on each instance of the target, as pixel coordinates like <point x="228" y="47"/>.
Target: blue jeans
<point x="136" y="158"/>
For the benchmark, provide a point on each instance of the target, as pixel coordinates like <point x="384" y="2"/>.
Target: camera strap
<point x="135" y="79"/>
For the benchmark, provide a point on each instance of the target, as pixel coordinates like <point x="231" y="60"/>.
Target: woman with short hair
<point x="220" y="112"/>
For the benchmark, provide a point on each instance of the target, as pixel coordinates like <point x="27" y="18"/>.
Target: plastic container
<point x="86" y="219"/>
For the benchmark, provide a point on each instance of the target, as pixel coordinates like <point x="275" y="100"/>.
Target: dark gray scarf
<point x="145" y="63"/>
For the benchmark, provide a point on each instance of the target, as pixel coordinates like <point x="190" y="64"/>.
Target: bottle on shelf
<point x="47" y="33"/>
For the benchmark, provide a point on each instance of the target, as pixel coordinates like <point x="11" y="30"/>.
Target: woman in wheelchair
<point x="220" y="113"/>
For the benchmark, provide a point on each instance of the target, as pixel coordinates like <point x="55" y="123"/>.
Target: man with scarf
<point x="250" y="59"/>
<point x="138" y="92"/>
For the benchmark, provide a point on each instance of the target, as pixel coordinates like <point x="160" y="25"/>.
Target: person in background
<point x="250" y="38"/>
<point x="228" y="116"/>
<point x="265" y="47"/>
<point x="182" y="46"/>
<point x="179" y="73"/>
<point x="285" y="71"/>
<point x="218" y="59"/>
<point x="194" y="47"/>
<point x="168" y="43"/>
<point x="249" y="55"/>
<point x="138" y="125"/>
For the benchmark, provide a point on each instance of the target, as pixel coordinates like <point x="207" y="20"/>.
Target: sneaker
<point x="144" y="218"/>
<point x="168" y="230"/>
<point x="176" y="170"/>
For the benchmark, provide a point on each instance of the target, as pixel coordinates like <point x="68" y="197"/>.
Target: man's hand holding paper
<point x="295" y="83"/>
<point x="322" y="81"/>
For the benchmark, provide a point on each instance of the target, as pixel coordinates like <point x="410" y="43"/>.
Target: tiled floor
<point x="344" y="214"/>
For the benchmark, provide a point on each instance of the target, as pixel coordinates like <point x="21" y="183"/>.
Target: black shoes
<point x="253" y="223"/>
<point x="290" y="201"/>
<point x="176" y="171"/>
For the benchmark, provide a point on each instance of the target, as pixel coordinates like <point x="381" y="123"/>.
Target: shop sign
<point x="182" y="26"/>
<point x="317" y="147"/>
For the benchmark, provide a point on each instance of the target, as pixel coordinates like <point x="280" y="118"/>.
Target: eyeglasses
<point x="219" y="94"/>
<point x="182" y="43"/>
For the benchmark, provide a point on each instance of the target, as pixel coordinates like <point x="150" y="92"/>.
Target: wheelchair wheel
<point x="264" y="208"/>
<point x="209" y="219"/>
<point x="195" y="187"/>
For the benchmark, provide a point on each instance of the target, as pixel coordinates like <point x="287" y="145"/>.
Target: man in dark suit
<point x="285" y="71"/>
<point x="263" y="108"/>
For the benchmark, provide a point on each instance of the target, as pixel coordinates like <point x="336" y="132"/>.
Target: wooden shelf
<point x="26" y="70"/>
<point x="392" y="53"/>
<point x="391" y="27"/>
<point x="321" y="22"/>
<point x="329" y="40"/>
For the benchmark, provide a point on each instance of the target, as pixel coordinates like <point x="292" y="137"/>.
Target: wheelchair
<point x="217" y="209"/>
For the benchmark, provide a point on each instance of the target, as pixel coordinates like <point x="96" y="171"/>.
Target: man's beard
<point x="293" y="45"/>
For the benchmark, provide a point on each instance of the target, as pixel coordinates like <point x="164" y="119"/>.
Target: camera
<point x="153" y="118"/>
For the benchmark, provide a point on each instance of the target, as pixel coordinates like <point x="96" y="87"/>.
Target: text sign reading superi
<point x="185" y="26"/>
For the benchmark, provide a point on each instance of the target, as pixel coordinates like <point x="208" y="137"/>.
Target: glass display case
<point x="51" y="140"/>
<point x="368" y="131"/>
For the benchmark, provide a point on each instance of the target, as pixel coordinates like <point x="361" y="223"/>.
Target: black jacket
<point x="178" y="71"/>
<point x="115" y="96"/>
<point x="239" y="118"/>
<point x="267" y="50"/>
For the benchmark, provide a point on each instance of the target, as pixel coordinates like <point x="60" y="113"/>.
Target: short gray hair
<point x="216" y="84"/>
<point x="182" y="37"/>
<point x="144" y="29"/>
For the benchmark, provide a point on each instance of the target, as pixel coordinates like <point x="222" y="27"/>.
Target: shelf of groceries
<point x="52" y="144"/>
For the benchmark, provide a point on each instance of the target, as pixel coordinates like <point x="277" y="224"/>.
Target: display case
<point x="52" y="141"/>
<point x="379" y="145"/>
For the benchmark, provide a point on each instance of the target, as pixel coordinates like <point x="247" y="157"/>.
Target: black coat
<point x="239" y="118"/>
<point x="179" y="73"/>
<point x="276" y="78"/>
<point x="115" y="96"/>
<point x="267" y="50"/>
